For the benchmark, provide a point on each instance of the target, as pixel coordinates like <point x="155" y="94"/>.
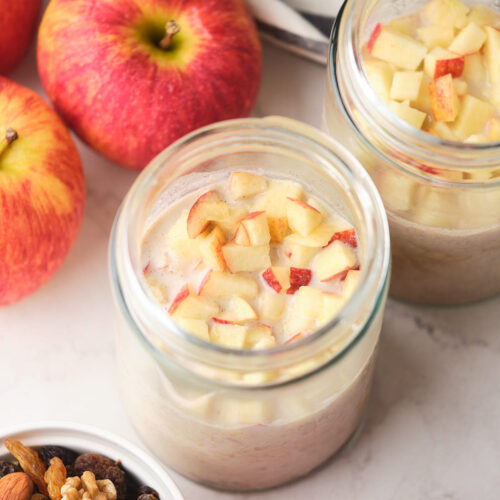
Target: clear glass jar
<point x="442" y="197"/>
<point x="240" y="419"/>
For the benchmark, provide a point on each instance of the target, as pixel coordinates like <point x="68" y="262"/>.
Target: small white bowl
<point x="83" y="439"/>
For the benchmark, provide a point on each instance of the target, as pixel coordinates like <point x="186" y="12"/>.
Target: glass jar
<point x="242" y="419"/>
<point x="442" y="198"/>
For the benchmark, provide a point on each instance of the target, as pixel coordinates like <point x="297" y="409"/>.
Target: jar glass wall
<point x="442" y="197"/>
<point x="239" y="419"/>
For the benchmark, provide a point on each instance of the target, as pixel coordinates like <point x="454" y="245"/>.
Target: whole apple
<point x="18" y="22"/>
<point x="42" y="191"/>
<point x="132" y="76"/>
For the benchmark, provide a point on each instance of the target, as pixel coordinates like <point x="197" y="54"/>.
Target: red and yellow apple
<point x="132" y="76"/>
<point x="42" y="192"/>
<point x="18" y="22"/>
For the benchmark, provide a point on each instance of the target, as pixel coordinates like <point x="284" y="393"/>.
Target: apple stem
<point x="10" y="136"/>
<point x="171" y="29"/>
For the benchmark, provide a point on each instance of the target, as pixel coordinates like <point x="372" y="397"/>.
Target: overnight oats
<point x="414" y="92"/>
<point x="250" y="269"/>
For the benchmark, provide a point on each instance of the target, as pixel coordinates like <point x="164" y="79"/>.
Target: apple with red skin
<point x="18" y="23"/>
<point x="42" y="192"/>
<point x="132" y="76"/>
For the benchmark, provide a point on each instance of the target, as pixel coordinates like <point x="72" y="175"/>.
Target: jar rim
<point x="123" y="269"/>
<point x="454" y="155"/>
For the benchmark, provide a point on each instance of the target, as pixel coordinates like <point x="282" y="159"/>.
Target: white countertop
<point x="433" y="426"/>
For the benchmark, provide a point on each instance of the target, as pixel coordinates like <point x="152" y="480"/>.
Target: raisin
<point x="30" y="463"/>
<point x="67" y="456"/>
<point x="146" y="490"/>
<point x="8" y="468"/>
<point x="103" y="468"/>
<point x="55" y="477"/>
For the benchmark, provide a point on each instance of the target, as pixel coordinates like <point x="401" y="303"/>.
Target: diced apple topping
<point x="395" y="47"/>
<point x="257" y="230"/>
<point x="469" y="40"/>
<point x="436" y="35"/>
<point x="331" y="305"/>
<point x="211" y="249"/>
<point x="492" y="52"/>
<point x="196" y="327"/>
<point x="406" y="85"/>
<point x="208" y="207"/>
<point x="473" y="117"/>
<point x="221" y="285"/>
<point x="380" y="75"/>
<point x="444" y="99"/>
<point x="234" y="307"/>
<point x="494" y="129"/>
<point x="439" y="62"/>
<point x="302" y="218"/>
<point x="408" y="114"/>
<point x="350" y="283"/>
<point x="238" y="311"/>
<point x="278" y="278"/>
<point x="244" y="184"/>
<point x="241" y="258"/>
<point x="271" y="305"/>
<point x="187" y="305"/>
<point x="332" y="261"/>
<point x="229" y="335"/>
<point x="446" y="13"/>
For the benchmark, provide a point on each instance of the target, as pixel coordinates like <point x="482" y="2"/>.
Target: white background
<point x="433" y="427"/>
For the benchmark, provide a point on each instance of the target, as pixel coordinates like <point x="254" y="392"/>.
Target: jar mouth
<point x="148" y="315"/>
<point x="347" y="32"/>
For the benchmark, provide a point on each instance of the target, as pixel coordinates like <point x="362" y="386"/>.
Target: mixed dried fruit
<point x="438" y="69"/>
<point x="58" y="473"/>
<point x="251" y="263"/>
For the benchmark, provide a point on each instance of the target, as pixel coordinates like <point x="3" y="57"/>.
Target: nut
<point x="16" y="486"/>
<point x="87" y="488"/>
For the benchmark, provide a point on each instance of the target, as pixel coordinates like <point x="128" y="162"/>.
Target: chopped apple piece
<point x="205" y="209"/>
<point x="406" y="85"/>
<point x="196" y="327"/>
<point x="461" y="87"/>
<point x="238" y="311"/>
<point x="211" y="249"/>
<point x="436" y="35"/>
<point x="183" y="294"/>
<point x="332" y="261"/>
<point x="273" y="202"/>
<point x="271" y="305"/>
<point x="469" y="40"/>
<point x="492" y="53"/>
<point x="229" y="225"/>
<point x="439" y="62"/>
<point x="474" y="70"/>
<point x="408" y="114"/>
<point x="446" y="13"/>
<point x="331" y="305"/>
<point x="278" y="278"/>
<point x="379" y="74"/>
<point x="494" y="129"/>
<point x="244" y="184"/>
<point x="444" y="99"/>
<point x="406" y="24"/>
<point x="309" y="302"/>
<point x="260" y="337"/>
<point x="158" y="290"/>
<point x="441" y="129"/>
<point x="320" y="237"/>
<point x="299" y="255"/>
<point x="350" y="283"/>
<point x="481" y="15"/>
<point x="477" y="139"/>
<point x="397" y="48"/>
<point x="423" y="100"/>
<point x="241" y="236"/>
<point x="186" y="305"/>
<point x="179" y="242"/>
<point x="228" y="335"/>
<point x="347" y="236"/>
<point x="298" y="278"/>
<point x="256" y="228"/>
<point x="246" y="258"/>
<point x="473" y="117"/>
<point x="221" y="285"/>
<point x="302" y="218"/>
<point x="318" y="206"/>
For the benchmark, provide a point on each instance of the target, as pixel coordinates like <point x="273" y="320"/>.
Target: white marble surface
<point x="433" y="427"/>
